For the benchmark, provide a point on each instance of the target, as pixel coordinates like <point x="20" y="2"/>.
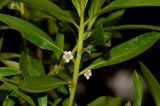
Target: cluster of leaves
<point x="28" y="80"/>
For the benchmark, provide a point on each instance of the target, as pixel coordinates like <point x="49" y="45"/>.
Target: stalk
<point x="77" y="61"/>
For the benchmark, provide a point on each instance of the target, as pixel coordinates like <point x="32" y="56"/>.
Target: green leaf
<point x="11" y="99"/>
<point x="41" y="84"/>
<point x="30" y="32"/>
<point x="30" y="65"/>
<point x="10" y="63"/>
<point x="119" y="4"/>
<point x="8" y="71"/>
<point x="126" y="50"/>
<point x="60" y="43"/>
<point x="76" y="5"/>
<point x="42" y="101"/>
<point x="23" y="95"/>
<point x="138" y="89"/>
<point x="111" y="19"/>
<point x="56" y="101"/>
<point x="97" y="36"/>
<point x="92" y="11"/>
<point x="95" y="7"/>
<point x="106" y="101"/>
<point x="126" y="27"/>
<point x="49" y="8"/>
<point x="3" y="3"/>
<point x="63" y="90"/>
<point x="6" y="56"/>
<point x="152" y="84"/>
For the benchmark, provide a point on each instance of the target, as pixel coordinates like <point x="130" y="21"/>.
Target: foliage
<point x="24" y="74"/>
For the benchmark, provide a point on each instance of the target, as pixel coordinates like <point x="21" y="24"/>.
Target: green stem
<point x="77" y="61"/>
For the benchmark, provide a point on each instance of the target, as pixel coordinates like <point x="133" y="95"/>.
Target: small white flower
<point x="67" y="56"/>
<point x="88" y="74"/>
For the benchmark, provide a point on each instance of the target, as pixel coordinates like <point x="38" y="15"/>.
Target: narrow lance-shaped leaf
<point x="8" y="71"/>
<point x="42" y="101"/>
<point x="49" y="8"/>
<point x="126" y="27"/>
<point x="41" y="84"/>
<point x="8" y="55"/>
<point x="152" y="84"/>
<point x="23" y="95"/>
<point x="56" y="101"/>
<point x="138" y="89"/>
<point x="126" y="50"/>
<point x="95" y="7"/>
<point x="10" y="63"/>
<point x="77" y="6"/>
<point x="106" y="101"/>
<point x="9" y="101"/>
<point x="30" y="65"/>
<point x="30" y="32"/>
<point x="111" y="19"/>
<point x="119" y="4"/>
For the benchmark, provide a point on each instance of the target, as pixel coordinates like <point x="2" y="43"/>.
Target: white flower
<point x="88" y="74"/>
<point x="67" y="56"/>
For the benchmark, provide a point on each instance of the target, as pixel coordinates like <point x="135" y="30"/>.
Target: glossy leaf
<point x="11" y="99"/>
<point x="40" y="84"/>
<point x="7" y="71"/>
<point x="23" y="95"/>
<point x="111" y="19"/>
<point x="30" y="65"/>
<point x="49" y="8"/>
<point x="138" y="89"/>
<point x="42" y="101"/>
<point x="30" y="32"/>
<point x="126" y="50"/>
<point x="119" y="4"/>
<point x="152" y="83"/>
<point x="106" y="101"/>
<point x="60" y="43"/>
